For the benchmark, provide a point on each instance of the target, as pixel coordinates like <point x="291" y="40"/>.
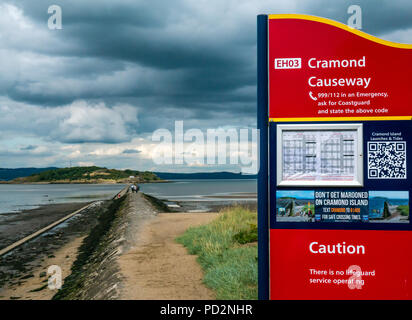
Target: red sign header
<point x="319" y="68"/>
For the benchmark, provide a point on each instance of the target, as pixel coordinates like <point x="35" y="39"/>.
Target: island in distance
<point x="95" y="174"/>
<point x="90" y="174"/>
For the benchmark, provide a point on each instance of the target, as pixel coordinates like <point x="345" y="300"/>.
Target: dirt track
<point x="157" y="267"/>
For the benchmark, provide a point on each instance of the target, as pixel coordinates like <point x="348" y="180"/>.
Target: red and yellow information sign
<point x="322" y="68"/>
<point x="340" y="144"/>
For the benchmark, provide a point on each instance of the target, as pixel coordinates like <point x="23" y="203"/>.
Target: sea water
<point x="203" y="189"/>
<point x="18" y="197"/>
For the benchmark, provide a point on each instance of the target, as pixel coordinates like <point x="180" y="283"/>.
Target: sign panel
<point x="340" y="136"/>
<point x="340" y="264"/>
<point x="321" y="68"/>
<point x="322" y="154"/>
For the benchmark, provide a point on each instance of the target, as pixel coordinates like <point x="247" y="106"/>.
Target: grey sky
<point x="120" y="69"/>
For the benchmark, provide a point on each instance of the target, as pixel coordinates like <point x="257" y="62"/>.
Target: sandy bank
<point x="34" y="286"/>
<point x="19" y="266"/>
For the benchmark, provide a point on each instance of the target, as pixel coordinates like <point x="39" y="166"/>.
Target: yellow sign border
<point x="341" y="26"/>
<point x="320" y="119"/>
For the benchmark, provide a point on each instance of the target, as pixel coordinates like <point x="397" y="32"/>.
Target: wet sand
<point x="18" y="267"/>
<point x="33" y="287"/>
<point x="245" y="195"/>
<point x="15" y="226"/>
<point x="211" y="206"/>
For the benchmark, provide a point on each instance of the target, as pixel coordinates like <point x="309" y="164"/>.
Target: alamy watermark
<point x="355" y="20"/>
<point x="55" y="21"/>
<point x="195" y="147"/>
<point x="355" y="281"/>
<point x="55" y="280"/>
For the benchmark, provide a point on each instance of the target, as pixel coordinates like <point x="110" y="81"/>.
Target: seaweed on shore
<point x="40" y="288"/>
<point x="74" y="282"/>
<point x="158" y="204"/>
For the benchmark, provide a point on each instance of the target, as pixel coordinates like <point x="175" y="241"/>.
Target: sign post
<point x="334" y="183"/>
<point x="262" y="188"/>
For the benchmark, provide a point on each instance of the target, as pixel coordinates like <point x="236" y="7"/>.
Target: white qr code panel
<point x="387" y="160"/>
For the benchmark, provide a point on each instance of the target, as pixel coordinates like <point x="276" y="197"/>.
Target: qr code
<point x="387" y="160"/>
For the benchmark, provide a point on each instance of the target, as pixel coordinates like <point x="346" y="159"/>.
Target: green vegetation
<point x="386" y="212"/>
<point x="307" y="208"/>
<point x="227" y="251"/>
<point x="291" y="208"/>
<point x="404" y="210"/>
<point x="310" y="208"/>
<point x="248" y="235"/>
<point x="88" y="174"/>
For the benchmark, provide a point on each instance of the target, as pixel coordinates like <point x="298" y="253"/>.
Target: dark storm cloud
<point x="29" y="147"/>
<point x="191" y="60"/>
<point x="184" y="61"/>
<point x="100" y="12"/>
<point x="378" y="16"/>
<point x="130" y="151"/>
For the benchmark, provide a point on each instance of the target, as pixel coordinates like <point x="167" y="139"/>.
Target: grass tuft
<point x="404" y="210"/>
<point x="230" y="268"/>
<point x="247" y="236"/>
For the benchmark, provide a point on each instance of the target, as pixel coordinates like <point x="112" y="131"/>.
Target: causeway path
<point x="153" y="266"/>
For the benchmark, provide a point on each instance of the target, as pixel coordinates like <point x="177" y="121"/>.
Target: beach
<point x="15" y="226"/>
<point x="32" y="258"/>
<point x="209" y="195"/>
<point x="142" y="230"/>
<point x="31" y="286"/>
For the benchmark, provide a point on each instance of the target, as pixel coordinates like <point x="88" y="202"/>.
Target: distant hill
<point x="204" y="175"/>
<point x="88" y="175"/>
<point x="10" y="174"/>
